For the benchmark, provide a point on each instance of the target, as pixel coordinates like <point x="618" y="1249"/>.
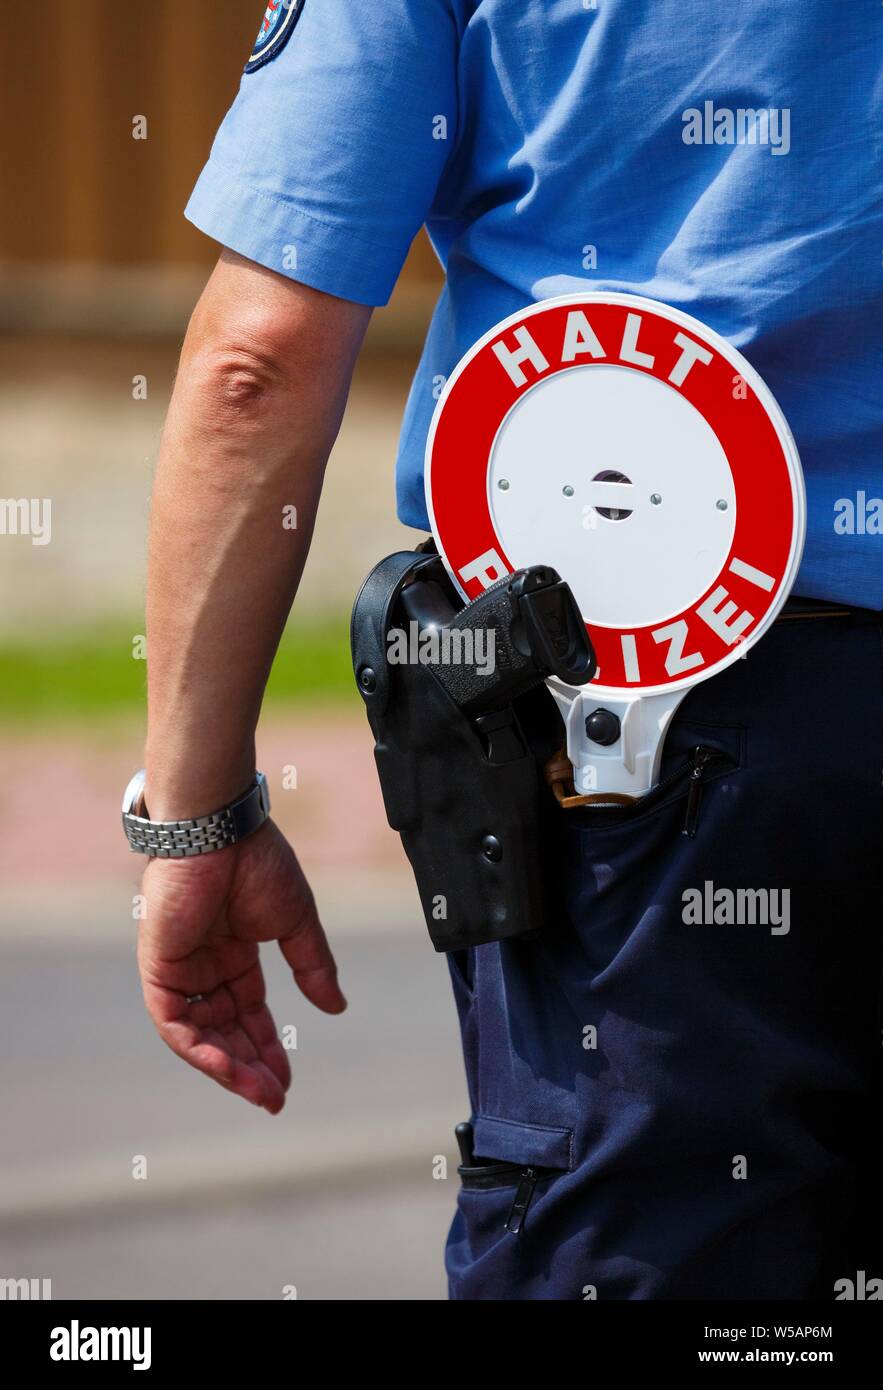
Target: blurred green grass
<point x="91" y="675"/>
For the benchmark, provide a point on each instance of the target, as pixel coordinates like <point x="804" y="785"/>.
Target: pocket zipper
<point x="692" y="767"/>
<point x="496" y="1175"/>
<point x="524" y="1193"/>
<point x="701" y="758"/>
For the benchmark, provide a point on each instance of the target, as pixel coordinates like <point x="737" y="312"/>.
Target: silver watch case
<point x="180" y="839"/>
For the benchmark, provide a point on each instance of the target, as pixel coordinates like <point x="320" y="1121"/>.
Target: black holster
<point x="467" y="794"/>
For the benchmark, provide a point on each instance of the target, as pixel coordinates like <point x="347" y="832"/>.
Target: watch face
<point x="635" y="451"/>
<point x="133" y="794"/>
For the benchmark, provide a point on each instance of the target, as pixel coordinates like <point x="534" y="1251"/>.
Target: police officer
<point x="683" y="1106"/>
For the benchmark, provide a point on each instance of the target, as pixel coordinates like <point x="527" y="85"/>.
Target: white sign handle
<point x="632" y="728"/>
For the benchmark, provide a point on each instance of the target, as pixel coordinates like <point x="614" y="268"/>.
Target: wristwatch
<point x="179" y="839"/>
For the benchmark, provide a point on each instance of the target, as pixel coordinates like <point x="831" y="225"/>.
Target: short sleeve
<point x="327" y="163"/>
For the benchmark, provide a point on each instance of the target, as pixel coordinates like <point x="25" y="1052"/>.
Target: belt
<point x="802" y="609"/>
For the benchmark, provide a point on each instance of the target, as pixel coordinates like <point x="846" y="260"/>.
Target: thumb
<point x="306" y="949"/>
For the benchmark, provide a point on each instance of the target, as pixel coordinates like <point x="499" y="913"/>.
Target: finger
<point x="244" y="999"/>
<point x="235" y="1038"/>
<point x="253" y="1012"/>
<point x="210" y="1054"/>
<point x="244" y="1056"/>
<point x="306" y="950"/>
<point x="215" y="1054"/>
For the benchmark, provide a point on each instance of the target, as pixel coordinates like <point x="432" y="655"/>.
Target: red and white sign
<point x="637" y="452"/>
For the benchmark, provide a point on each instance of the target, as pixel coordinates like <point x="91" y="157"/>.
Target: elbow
<point x="266" y="356"/>
<point x="238" y="386"/>
<point x="255" y="388"/>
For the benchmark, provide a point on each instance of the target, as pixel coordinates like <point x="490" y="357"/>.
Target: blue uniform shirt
<point x="723" y="158"/>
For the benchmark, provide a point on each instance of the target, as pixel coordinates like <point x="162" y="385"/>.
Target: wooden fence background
<point x="74" y="186"/>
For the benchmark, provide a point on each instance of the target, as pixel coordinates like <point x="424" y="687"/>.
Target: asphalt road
<point x="336" y="1197"/>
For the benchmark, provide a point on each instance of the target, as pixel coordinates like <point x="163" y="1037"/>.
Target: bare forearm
<point x="253" y="418"/>
<point x="222" y="574"/>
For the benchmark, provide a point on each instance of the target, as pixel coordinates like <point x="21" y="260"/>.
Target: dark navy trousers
<point x="691" y="1107"/>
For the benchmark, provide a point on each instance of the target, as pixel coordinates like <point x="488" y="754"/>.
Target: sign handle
<point x="614" y="742"/>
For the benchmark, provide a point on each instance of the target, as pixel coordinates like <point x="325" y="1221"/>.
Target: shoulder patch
<point x="276" y="29"/>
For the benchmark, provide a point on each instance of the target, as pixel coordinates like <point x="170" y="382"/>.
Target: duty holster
<point x="465" y="791"/>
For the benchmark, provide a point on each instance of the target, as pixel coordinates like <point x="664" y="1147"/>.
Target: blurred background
<point x="343" y="1196"/>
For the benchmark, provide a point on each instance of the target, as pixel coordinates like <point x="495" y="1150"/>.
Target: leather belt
<point x="803" y="609"/>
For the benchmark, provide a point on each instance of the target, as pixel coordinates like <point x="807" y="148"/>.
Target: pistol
<point x="523" y="629"/>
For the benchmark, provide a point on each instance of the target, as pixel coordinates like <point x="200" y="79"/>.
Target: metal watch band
<point x="180" y="839"/>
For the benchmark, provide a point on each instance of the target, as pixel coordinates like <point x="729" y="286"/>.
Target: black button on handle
<point x="602" y="726"/>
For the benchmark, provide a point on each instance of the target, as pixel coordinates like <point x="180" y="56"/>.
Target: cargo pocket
<point x="510" y="1164"/>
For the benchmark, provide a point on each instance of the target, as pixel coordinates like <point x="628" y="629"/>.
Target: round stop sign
<point x="635" y="451"/>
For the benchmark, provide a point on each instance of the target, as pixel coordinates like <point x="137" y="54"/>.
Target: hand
<point x="205" y="918"/>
